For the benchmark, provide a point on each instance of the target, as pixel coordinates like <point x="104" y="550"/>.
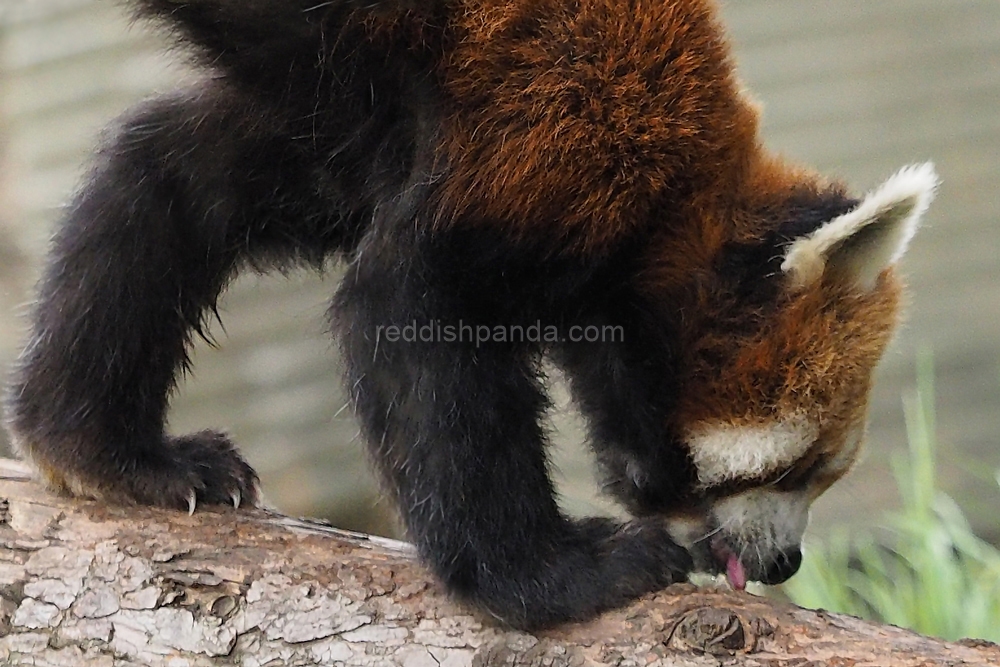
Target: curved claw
<point x="192" y="502"/>
<point x="237" y="498"/>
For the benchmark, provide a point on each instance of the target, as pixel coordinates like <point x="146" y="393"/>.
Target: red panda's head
<point x="777" y="346"/>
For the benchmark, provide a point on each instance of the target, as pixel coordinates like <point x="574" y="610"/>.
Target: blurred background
<point x="853" y="87"/>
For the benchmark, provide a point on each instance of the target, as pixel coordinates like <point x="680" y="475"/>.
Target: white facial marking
<point x="870" y="238"/>
<point x="768" y="519"/>
<point x="727" y="451"/>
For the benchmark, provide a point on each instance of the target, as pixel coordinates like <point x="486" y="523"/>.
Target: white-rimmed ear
<point x="862" y="243"/>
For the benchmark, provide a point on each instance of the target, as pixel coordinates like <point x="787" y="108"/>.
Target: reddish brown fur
<point x="813" y="356"/>
<point x="584" y="120"/>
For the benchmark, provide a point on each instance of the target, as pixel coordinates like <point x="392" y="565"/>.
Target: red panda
<point x="484" y="165"/>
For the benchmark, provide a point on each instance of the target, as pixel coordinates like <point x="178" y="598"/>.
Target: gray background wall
<point x="854" y="87"/>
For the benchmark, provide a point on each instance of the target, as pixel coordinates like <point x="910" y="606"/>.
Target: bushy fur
<point x="483" y="162"/>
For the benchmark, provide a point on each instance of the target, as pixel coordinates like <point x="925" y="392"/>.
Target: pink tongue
<point x="735" y="574"/>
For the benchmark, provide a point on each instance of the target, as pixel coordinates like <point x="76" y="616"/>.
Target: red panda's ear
<point x="865" y="241"/>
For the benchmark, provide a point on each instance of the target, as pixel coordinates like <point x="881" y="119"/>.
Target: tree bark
<point x="82" y="583"/>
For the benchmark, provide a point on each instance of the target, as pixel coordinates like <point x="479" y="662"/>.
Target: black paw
<point x="645" y="558"/>
<point x="198" y="469"/>
<point x="603" y="565"/>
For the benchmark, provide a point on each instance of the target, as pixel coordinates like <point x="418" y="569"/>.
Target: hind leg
<point x="170" y="212"/>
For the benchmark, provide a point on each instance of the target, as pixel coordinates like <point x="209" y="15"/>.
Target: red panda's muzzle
<point x="776" y="569"/>
<point x="753" y="536"/>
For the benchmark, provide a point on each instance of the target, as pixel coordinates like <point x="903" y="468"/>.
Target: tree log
<point x="82" y="583"/>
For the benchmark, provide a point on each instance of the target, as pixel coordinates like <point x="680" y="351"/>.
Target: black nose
<point x="785" y="564"/>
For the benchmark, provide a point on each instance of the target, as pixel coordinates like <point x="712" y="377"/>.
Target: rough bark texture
<point x="86" y="584"/>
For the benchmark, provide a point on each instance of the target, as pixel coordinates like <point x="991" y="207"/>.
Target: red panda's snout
<point x="752" y="536"/>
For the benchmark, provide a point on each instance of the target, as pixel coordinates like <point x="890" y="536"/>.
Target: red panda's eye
<point x="802" y="472"/>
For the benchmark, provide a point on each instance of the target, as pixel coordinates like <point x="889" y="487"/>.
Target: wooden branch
<point x="82" y="583"/>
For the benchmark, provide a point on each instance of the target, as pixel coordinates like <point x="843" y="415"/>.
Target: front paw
<point x="643" y="553"/>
